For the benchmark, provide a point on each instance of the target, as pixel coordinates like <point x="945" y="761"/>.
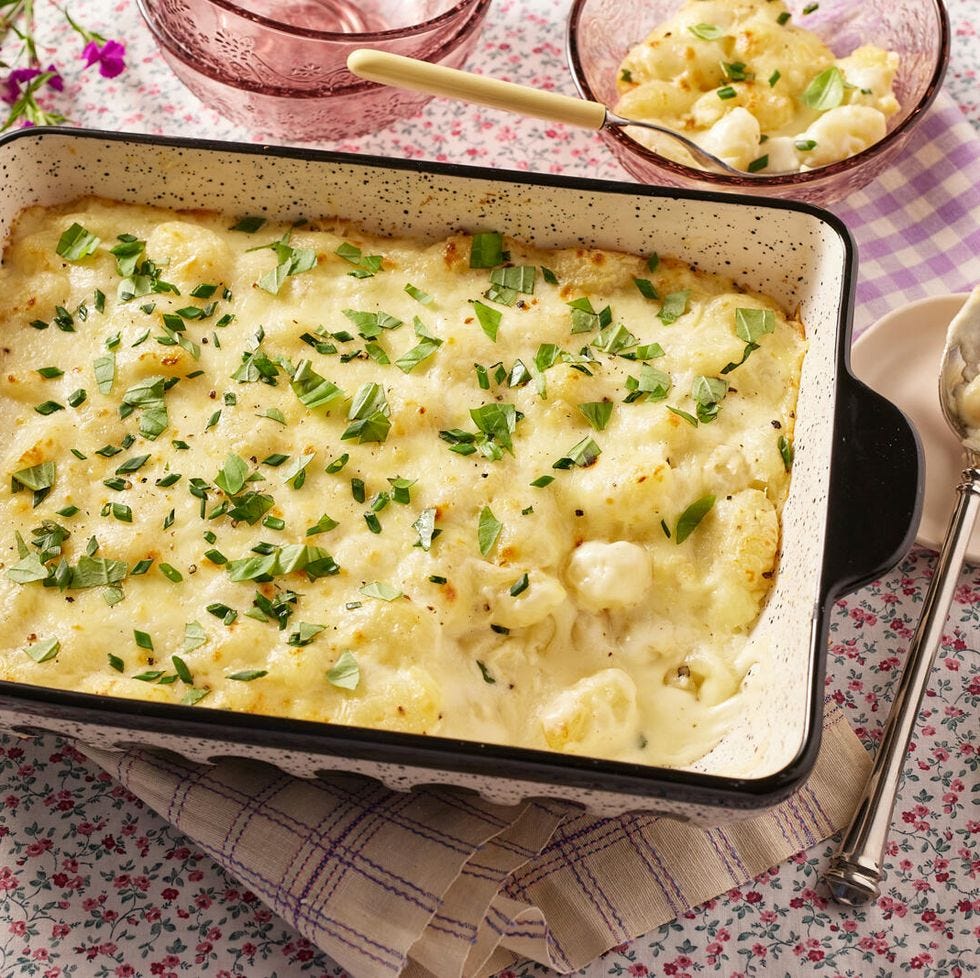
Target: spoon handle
<point x="855" y="868"/>
<point x="422" y="76"/>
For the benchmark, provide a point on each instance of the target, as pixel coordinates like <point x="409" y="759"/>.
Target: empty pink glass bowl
<point x="285" y="78"/>
<point x="600" y="32"/>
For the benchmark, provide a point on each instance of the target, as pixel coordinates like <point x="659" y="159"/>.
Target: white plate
<point x="899" y="357"/>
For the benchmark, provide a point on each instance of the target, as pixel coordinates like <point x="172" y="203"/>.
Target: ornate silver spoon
<point x="855" y="869"/>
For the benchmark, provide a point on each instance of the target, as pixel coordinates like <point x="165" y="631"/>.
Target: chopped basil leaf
<point x="425" y="527"/>
<point x="345" y="672"/>
<point x="304" y="635"/>
<point x="322" y="525"/>
<point x="290" y="261"/>
<point x="489" y="319"/>
<point x="597" y="413"/>
<point x="249" y="225"/>
<point x="488" y="530"/>
<point x="36" y="477"/>
<point x="585" y="319"/>
<point x="486" y="250"/>
<point x="76" y="243"/>
<point x="549" y="276"/>
<point x="231" y="479"/>
<point x="422" y="351"/>
<point x="182" y="670"/>
<point x="49" y="373"/>
<point x="368" y="415"/>
<point x="171" y="573"/>
<point x="337" y="464"/>
<point x="366" y="265"/>
<point x="485" y="672"/>
<point x="295" y="469"/>
<point x="168" y="480"/>
<point x="116" y="663"/>
<point x="133" y="464"/>
<point x="194" y="636"/>
<point x="193" y="696"/>
<point x="786" y="452"/>
<point x="543" y="480"/>
<point x="583" y="454"/>
<point x="143" y="640"/>
<point x="688" y="521"/>
<point x="689" y="418"/>
<point x="418" y="295"/>
<point x="708" y="393"/>
<point x="825" y="91"/>
<point x="380" y="590"/>
<point x="646" y="288"/>
<point x="27" y="570"/>
<point x="44" y="650"/>
<point x="707" y="32"/>
<point x="520" y="278"/>
<point x="674" y="306"/>
<point x="247" y="675"/>
<point x="77" y="398"/>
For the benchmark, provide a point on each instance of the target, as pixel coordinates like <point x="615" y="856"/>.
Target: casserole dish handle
<point x="875" y="488"/>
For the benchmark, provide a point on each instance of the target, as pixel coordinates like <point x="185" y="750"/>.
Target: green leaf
<point x="182" y="670"/>
<point x="425" y="527"/>
<point x="368" y="414"/>
<point x="366" y="265"/>
<point x="751" y="324"/>
<point x="520" y="278"/>
<point x="345" y="672"/>
<point x="322" y="525"/>
<point x="50" y="373"/>
<point x="689" y="520"/>
<point x="422" y="351"/>
<point x="27" y="570"/>
<point x="418" y="295"/>
<point x="585" y="319"/>
<point x="44" y="650"/>
<point x="489" y="319"/>
<point x="786" y="452"/>
<point x="295" y="467"/>
<point x="653" y="384"/>
<point x="231" y="479"/>
<point x="248" y="225"/>
<point x="646" y="287"/>
<point x="488" y="530"/>
<point x="707" y="32"/>
<point x="291" y="261"/>
<point x="194" y="636"/>
<point x="115" y="662"/>
<point x="380" y="590"/>
<point x="76" y="243"/>
<point x="689" y="418"/>
<point x="193" y="696"/>
<point x="708" y="393"/>
<point x="486" y="250"/>
<point x="304" y="634"/>
<point x="825" y="91"/>
<point x="597" y="413"/>
<point x="543" y="480"/>
<point x="36" y="477"/>
<point x="247" y="675"/>
<point x="497" y="421"/>
<point x="674" y="306"/>
<point x="143" y="640"/>
<point x="520" y="585"/>
<point x="133" y="464"/>
<point x="312" y="389"/>
<point x="97" y="572"/>
<point x="582" y="454"/>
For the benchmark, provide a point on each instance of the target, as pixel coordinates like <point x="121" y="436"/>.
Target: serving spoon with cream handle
<point x="855" y="868"/>
<point x="423" y="76"/>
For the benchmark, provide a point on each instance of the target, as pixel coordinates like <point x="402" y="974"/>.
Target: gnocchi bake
<point x="467" y="488"/>
<point x="748" y="83"/>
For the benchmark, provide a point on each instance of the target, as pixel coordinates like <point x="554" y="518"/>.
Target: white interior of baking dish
<point x="795" y="257"/>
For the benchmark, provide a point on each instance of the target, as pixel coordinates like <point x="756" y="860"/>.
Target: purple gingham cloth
<point x="918" y="225"/>
<point x="434" y="883"/>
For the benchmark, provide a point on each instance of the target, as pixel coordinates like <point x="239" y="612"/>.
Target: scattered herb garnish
<point x="488" y="530"/>
<point x="76" y="243"/>
<point x="345" y="672"/>
<point x="689" y="520"/>
<point x="825" y="91"/>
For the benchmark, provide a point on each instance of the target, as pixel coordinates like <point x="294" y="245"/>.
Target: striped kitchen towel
<point x="434" y="883"/>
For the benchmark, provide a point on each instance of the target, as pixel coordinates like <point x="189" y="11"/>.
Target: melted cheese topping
<point x="743" y="85"/>
<point x="576" y="625"/>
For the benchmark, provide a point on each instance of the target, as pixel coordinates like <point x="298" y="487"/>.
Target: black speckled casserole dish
<point x="851" y="513"/>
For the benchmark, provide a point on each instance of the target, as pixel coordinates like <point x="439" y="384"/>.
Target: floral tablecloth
<point x="93" y="885"/>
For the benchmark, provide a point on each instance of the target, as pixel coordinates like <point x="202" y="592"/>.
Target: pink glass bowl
<point x="288" y="80"/>
<point x="600" y="32"/>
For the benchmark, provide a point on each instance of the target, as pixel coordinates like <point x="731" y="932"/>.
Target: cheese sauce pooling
<point x="311" y="473"/>
<point x="753" y="86"/>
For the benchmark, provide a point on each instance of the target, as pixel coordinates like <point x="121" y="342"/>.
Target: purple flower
<point x="108" y="56"/>
<point x="10" y="87"/>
